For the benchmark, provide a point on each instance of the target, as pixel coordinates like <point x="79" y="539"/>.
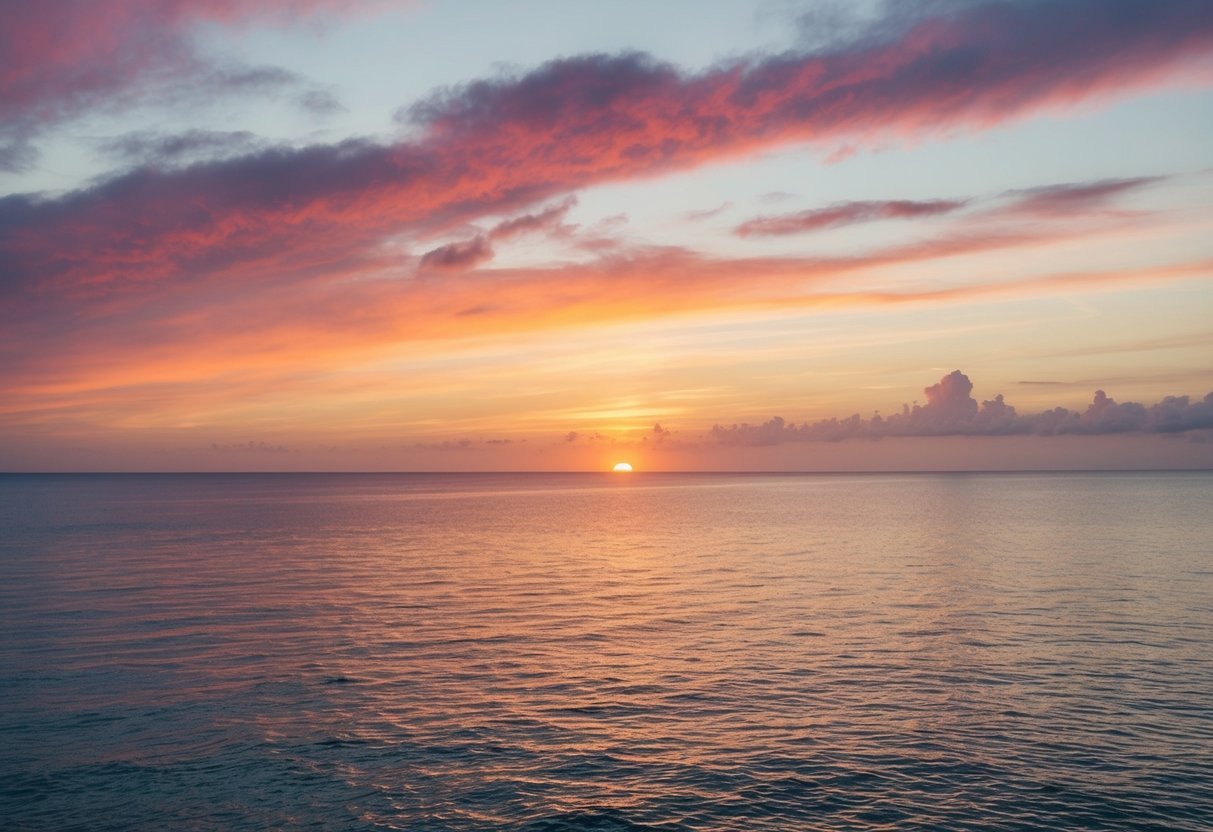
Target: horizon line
<point x="623" y="475"/>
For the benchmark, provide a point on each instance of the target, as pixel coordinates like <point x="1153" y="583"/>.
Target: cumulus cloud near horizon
<point x="951" y="410"/>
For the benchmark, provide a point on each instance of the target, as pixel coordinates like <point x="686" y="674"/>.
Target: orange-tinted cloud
<point x="199" y="333"/>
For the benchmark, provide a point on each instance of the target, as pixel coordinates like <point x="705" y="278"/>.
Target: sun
<point x="622" y="467"/>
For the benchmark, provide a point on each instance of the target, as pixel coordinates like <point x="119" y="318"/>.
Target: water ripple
<point x="576" y="653"/>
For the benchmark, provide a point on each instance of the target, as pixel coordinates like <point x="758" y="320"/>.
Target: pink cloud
<point x="504" y="144"/>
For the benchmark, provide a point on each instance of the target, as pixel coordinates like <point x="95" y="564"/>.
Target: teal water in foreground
<point x="577" y="652"/>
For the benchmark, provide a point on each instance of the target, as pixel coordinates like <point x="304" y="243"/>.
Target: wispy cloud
<point x="62" y="59"/>
<point x="1046" y="202"/>
<point x="465" y="255"/>
<point x="464" y="444"/>
<point x="196" y="333"/>
<point x="1053" y="201"/>
<point x="548" y="220"/>
<point x="707" y="213"/>
<point x="846" y="213"/>
<point x="250" y="447"/>
<point x="146" y="147"/>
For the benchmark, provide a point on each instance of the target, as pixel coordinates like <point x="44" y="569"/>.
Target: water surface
<point x="551" y="652"/>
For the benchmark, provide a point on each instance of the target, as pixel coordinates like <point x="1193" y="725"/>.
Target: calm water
<point x="551" y="652"/>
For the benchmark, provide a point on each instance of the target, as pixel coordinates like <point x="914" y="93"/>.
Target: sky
<point x="311" y="235"/>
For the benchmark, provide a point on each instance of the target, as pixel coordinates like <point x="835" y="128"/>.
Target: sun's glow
<point x="623" y="467"/>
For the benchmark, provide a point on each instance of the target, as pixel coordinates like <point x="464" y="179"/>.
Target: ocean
<point x="606" y="652"/>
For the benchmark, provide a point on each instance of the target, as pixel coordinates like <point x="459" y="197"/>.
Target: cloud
<point x="62" y="59"/>
<point x="1046" y="202"/>
<point x="657" y="435"/>
<point x="463" y="444"/>
<point x="510" y="142"/>
<point x="17" y="153"/>
<point x="573" y="437"/>
<point x="826" y="22"/>
<point x="320" y="103"/>
<point x="951" y="410"/>
<point x="153" y="148"/>
<point x="548" y="220"/>
<point x="468" y="254"/>
<point x="948" y="401"/>
<point x="845" y="213"/>
<point x="1174" y="414"/>
<point x="1052" y="201"/>
<point x="707" y="214"/>
<point x="458" y="257"/>
<point x="130" y="280"/>
<point x="249" y="447"/>
<point x="58" y="348"/>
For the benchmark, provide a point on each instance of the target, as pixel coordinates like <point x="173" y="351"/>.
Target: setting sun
<point x="622" y="467"/>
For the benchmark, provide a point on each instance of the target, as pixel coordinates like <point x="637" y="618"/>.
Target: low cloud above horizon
<point x="227" y="227"/>
<point x="951" y="410"/>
